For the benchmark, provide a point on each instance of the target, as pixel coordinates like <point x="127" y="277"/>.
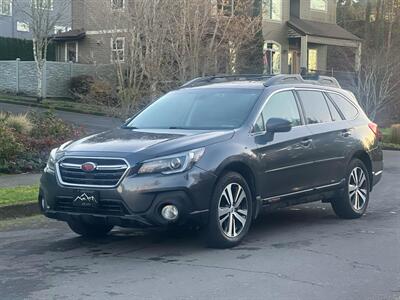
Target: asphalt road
<point x="91" y="123"/>
<point x="305" y="252"/>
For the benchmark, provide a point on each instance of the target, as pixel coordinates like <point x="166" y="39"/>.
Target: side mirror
<point x="278" y="125"/>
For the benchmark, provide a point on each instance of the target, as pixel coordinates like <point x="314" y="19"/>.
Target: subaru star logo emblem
<point x="88" y="167"/>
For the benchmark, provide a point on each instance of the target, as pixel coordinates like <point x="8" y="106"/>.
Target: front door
<point x="293" y="62"/>
<point x="285" y="158"/>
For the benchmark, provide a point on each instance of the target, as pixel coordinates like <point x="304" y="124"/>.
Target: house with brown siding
<point x="297" y="34"/>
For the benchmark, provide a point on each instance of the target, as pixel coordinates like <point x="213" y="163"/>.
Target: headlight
<point x="51" y="162"/>
<point x="172" y="164"/>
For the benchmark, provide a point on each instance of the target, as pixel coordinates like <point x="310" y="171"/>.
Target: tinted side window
<point x="281" y="105"/>
<point x="334" y="112"/>
<point x="349" y="111"/>
<point x="315" y="107"/>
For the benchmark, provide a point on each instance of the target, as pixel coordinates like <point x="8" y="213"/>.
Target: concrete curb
<point x="29" y="104"/>
<point x="391" y="148"/>
<point x="19" y="210"/>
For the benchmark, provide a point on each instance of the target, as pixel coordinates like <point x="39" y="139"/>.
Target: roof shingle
<point x="328" y="30"/>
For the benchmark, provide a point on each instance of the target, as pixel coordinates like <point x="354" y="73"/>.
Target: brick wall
<point x="20" y="77"/>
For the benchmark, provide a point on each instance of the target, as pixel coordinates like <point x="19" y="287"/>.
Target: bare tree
<point x="167" y="42"/>
<point x="43" y="17"/>
<point x="206" y="36"/>
<point x="377" y="84"/>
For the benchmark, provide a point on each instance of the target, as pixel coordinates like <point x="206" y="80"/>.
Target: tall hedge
<point x="11" y="49"/>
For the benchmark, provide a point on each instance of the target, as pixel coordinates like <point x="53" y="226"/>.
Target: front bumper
<point x="137" y="201"/>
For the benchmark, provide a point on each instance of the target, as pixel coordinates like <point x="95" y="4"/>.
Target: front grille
<point x="107" y="174"/>
<point x="107" y="207"/>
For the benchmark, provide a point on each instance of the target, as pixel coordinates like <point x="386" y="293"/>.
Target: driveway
<point x="304" y="252"/>
<point x="91" y="123"/>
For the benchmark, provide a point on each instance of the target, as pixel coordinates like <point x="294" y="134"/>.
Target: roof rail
<point x="271" y="80"/>
<point x="305" y="79"/>
<point x="225" y="78"/>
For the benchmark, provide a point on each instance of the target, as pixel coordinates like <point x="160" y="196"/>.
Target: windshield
<point x="198" y="109"/>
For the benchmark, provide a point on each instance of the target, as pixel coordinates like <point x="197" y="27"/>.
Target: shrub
<point x="395" y="136"/>
<point x="10" y="148"/>
<point x="80" y="85"/>
<point x="23" y="151"/>
<point x="3" y="116"/>
<point x="20" y="123"/>
<point x="47" y="125"/>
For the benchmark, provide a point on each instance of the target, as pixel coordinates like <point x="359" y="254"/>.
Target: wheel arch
<point x="247" y="173"/>
<point x="365" y="158"/>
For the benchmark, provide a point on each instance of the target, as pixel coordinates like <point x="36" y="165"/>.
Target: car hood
<point x="139" y="145"/>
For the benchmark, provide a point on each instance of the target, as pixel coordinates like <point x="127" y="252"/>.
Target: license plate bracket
<point x="86" y="199"/>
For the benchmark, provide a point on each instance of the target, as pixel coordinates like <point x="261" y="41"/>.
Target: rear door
<point x="328" y="134"/>
<point x="285" y="157"/>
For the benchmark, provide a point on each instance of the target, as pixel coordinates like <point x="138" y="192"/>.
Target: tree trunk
<point x="39" y="95"/>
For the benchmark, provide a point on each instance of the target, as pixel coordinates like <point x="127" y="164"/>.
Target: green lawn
<point x="17" y="195"/>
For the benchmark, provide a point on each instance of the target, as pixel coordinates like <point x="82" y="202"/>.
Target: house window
<point x="312" y="60"/>
<point x="58" y="29"/>
<point x="272" y="10"/>
<point x="319" y="5"/>
<point x="272" y="58"/>
<point x="43" y="4"/>
<point x="71" y="52"/>
<point x="224" y="7"/>
<point x="118" y="49"/>
<point x="22" y="27"/>
<point x="118" y="4"/>
<point x="5" y="7"/>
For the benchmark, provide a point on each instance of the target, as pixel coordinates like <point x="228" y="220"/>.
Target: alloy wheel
<point x="358" y="186"/>
<point x="232" y="210"/>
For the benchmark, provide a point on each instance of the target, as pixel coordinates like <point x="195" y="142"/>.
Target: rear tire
<point x="353" y="202"/>
<point x="231" y="211"/>
<point x="86" y="229"/>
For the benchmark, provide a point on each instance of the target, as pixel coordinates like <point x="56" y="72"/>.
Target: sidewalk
<point x="19" y="180"/>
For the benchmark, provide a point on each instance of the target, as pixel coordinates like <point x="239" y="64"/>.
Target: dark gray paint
<point x="304" y="252"/>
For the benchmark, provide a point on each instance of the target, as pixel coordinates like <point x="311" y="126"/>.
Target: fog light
<point x="170" y="212"/>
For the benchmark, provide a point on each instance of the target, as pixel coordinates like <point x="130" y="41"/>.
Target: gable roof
<point x="327" y="30"/>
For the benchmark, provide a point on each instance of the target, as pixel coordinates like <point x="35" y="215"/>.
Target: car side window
<point x="315" y="107"/>
<point x="334" y="112"/>
<point x="281" y="105"/>
<point x="349" y="110"/>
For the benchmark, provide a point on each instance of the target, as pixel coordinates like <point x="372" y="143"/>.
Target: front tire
<point x="89" y="230"/>
<point x="354" y="201"/>
<point x="231" y="211"/>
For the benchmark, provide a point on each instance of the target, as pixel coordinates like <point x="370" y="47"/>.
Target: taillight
<point x="375" y="129"/>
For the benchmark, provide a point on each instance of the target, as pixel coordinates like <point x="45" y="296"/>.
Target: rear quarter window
<point x="349" y="111"/>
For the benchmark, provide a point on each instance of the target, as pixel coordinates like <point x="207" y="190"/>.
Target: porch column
<point x="304" y="52"/>
<point x="358" y="57"/>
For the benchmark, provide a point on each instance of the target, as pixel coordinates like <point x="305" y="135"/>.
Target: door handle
<point x="306" y="142"/>
<point x="346" y="133"/>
